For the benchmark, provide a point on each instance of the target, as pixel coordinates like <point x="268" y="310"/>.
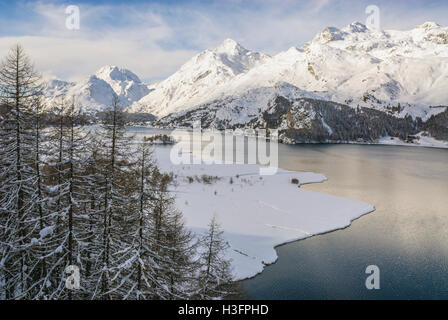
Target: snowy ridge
<point x="236" y="110"/>
<point x="199" y="79"/>
<point x="404" y="71"/>
<point x="354" y="65"/>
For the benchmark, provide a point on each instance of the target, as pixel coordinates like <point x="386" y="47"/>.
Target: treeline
<point x="129" y="118"/>
<point x="437" y="125"/>
<point x="311" y="120"/>
<point x="306" y="120"/>
<point x="72" y="199"/>
<point x="51" y="118"/>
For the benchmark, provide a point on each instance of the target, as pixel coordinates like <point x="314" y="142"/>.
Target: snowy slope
<point x="199" y="78"/>
<point x="353" y="65"/>
<point x="235" y="110"/>
<point x="398" y="72"/>
<point x="96" y="92"/>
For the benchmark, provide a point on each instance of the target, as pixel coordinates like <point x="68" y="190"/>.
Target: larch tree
<point x="56" y="189"/>
<point x="19" y="86"/>
<point x="140" y="259"/>
<point x="92" y="210"/>
<point x="181" y="248"/>
<point x="215" y="279"/>
<point x="115" y="194"/>
<point x="77" y="222"/>
<point x="40" y="250"/>
<point x="66" y="191"/>
<point x="174" y="245"/>
<point x="96" y="201"/>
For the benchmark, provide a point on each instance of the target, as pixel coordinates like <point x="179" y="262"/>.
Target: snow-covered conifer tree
<point x="174" y="245"/>
<point x="115" y="196"/>
<point x="140" y="263"/>
<point x="215" y="280"/>
<point x="19" y="86"/>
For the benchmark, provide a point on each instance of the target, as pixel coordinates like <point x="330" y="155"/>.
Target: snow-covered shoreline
<point x="257" y="213"/>
<point x="388" y="141"/>
<point x="423" y="141"/>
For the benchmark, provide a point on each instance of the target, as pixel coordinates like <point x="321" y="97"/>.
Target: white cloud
<point x="74" y="59"/>
<point x="153" y="40"/>
<point x="73" y="55"/>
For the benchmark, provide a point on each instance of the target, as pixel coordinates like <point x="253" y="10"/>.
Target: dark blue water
<point x="406" y="237"/>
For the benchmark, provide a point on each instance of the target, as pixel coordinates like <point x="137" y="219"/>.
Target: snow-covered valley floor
<point x="256" y="212"/>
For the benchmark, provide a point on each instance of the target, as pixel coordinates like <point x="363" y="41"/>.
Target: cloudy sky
<point x="154" y="38"/>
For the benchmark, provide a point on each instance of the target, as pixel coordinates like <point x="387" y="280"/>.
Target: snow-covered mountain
<point x="345" y="84"/>
<point x="96" y="92"/>
<point x="405" y="71"/>
<point x="201" y="78"/>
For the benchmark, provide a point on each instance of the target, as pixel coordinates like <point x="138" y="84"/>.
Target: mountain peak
<point x="329" y="34"/>
<point x="109" y="72"/>
<point x="428" y="25"/>
<point x="333" y="34"/>
<point x="230" y="46"/>
<point x="107" y="69"/>
<point x="356" y="27"/>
